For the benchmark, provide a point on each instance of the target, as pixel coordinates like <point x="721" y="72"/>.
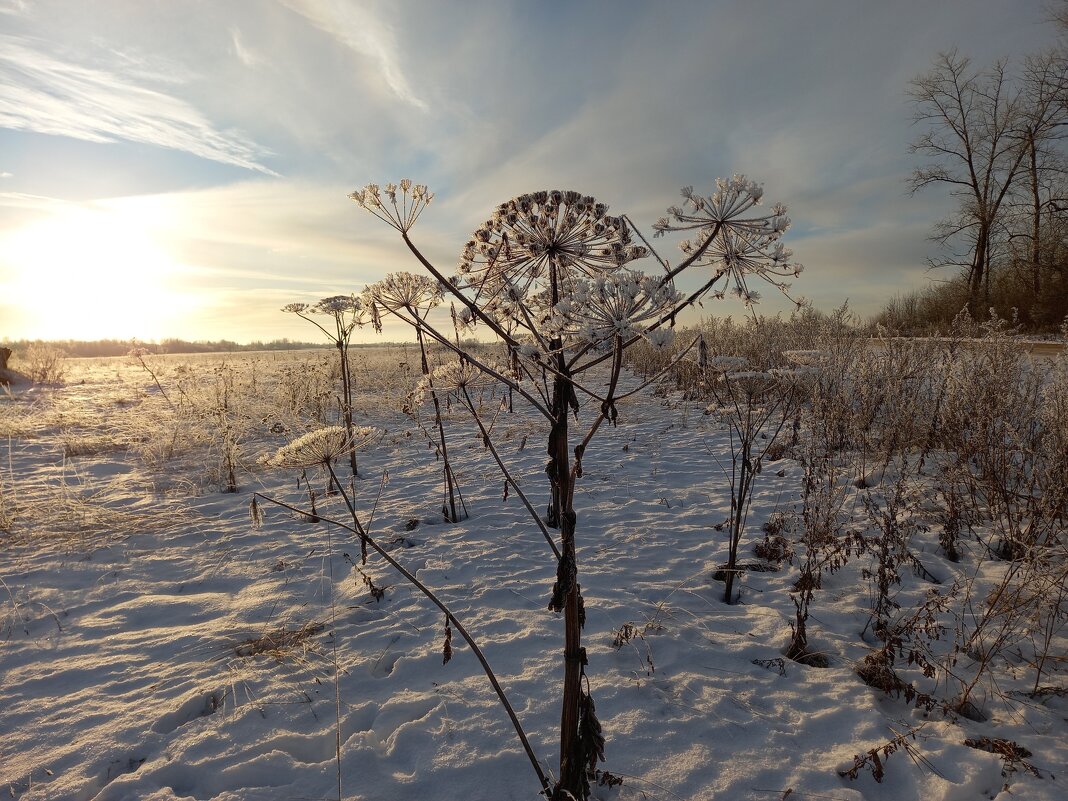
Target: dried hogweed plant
<point x="756" y="407"/>
<point x="345" y="313"/>
<point x="549" y="275"/>
<point x="411" y="298"/>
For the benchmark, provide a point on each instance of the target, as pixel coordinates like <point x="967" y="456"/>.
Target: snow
<point x="136" y="597"/>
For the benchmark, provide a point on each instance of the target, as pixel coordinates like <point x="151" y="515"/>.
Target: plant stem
<point x="358" y="529"/>
<point x="508" y="476"/>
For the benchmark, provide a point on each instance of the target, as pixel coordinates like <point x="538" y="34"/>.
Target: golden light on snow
<point x="85" y="272"/>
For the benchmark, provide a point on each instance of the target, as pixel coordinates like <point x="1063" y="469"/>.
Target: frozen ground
<point x="155" y="645"/>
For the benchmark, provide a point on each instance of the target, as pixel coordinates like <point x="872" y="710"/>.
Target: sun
<point x="89" y="272"/>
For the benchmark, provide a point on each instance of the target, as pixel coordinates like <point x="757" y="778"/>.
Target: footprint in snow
<point x="198" y="705"/>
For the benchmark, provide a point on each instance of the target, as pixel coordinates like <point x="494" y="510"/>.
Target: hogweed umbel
<point x="383" y="203"/>
<point x="732" y="239"/>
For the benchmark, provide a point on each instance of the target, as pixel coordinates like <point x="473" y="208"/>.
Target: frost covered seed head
<point x="534" y="239"/>
<point x="338" y="304"/>
<point x="622" y="304"/>
<point x="321" y="447"/>
<point x="731" y="238"/>
<point x="406" y="291"/>
<point x="398" y="205"/>
<point x="460" y="374"/>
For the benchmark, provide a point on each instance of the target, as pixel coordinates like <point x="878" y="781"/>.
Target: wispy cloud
<point x="14" y="7"/>
<point x="247" y="56"/>
<point x="357" y="28"/>
<point x="43" y="93"/>
<point x="6" y="175"/>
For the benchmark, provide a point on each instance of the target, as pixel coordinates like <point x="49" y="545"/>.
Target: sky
<point x="180" y="169"/>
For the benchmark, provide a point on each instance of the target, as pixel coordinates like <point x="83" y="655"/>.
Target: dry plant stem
<point x="445" y="282"/>
<point x="572" y="756"/>
<point x="155" y="381"/>
<point x="653" y="379"/>
<point x="14" y="603"/>
<point x="444" y="341"/>
<point x="571" y="766"/>
<point x="508" y="476"/>
<point x="346" y="386"/>
<point x="450" y="480"/>
<point x="357" y="528"/>
<point x="340" y="339"/>
<point x="746" y="425"/>
<point x="607" y="408"/>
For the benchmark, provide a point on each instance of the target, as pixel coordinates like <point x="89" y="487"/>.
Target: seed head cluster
<point x="397" y="205"/>
<point x="321" y="446"/>
<point x="535" y="238"/>
<point x="619" y="305"/>
<point x="732" y="239"/>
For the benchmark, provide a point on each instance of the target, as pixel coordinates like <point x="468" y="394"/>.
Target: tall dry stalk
<point x="548" y="276"/>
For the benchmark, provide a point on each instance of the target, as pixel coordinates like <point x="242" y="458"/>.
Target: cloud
<point x="247" y="56"/>
<point x="358" y="29"/>
<point x="46" y="94"/>
<point x="6" y="175"/>
<point x="14" y="7"/>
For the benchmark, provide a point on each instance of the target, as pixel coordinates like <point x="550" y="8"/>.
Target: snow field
<point x="155" y="645"/>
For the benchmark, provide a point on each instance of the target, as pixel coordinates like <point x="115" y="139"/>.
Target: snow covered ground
<point x="154" y="644"/>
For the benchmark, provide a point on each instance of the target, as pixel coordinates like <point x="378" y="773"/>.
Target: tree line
<point x="994" y="136"/>
<point x="120" y="347"/>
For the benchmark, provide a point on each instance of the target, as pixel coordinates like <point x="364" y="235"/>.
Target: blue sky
<point x="181" y="168"/>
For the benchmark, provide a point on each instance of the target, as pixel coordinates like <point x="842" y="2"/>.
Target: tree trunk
<point x="1036" y="217"/>
<point x="979" y="280"/>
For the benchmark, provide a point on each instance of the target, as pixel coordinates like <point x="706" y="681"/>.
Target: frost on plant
<point x="345" y="314"/>
<point x="410" y="298"/>
<point x="732" y="238"/>
<point x="623" y="304"/>
<point x="384" y="204"/>
<point x="549" y="274"/>
<point x="535" y="248"/>
<point x="321" y="446"/>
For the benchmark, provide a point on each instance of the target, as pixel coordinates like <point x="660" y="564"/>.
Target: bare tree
<point x="1043" y="121"/>
<point x="972" y="143"/>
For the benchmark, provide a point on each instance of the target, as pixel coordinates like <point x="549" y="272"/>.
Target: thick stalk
<point x="346" y="388"/>
<point x="571" y="757"/>
<point x="571" y="766"/>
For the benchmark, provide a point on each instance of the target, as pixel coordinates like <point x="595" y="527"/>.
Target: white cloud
<point x="6" y="175"/>
<point x="247" y="56"/>
<point x="45" y="94"/>
<point x="357" y="28"/>
<point x="14" y="7"/>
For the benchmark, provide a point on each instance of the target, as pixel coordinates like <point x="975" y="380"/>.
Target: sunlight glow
<point x="84" y="272"/>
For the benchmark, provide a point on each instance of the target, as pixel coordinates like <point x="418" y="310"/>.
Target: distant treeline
<point x="120" y="347"/>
